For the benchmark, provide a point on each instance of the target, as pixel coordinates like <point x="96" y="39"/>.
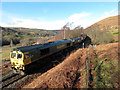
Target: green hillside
<point x="14" y="35"/>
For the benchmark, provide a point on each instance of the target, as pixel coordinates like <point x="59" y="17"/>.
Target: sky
<point x="54" y="15"/>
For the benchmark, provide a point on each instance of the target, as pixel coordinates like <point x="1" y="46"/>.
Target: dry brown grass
<point x="71" y="72"/>
<point x="64" y="74"/>
<point x="110" y="22"/>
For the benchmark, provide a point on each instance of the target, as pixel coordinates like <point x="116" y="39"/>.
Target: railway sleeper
<point x="17" y="71"/>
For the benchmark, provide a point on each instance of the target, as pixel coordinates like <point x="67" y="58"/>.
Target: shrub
<point x="97" y="36"/>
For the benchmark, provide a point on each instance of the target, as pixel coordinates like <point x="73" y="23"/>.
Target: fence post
<point x="87" y="71"/>
<point x="83" y="44"/>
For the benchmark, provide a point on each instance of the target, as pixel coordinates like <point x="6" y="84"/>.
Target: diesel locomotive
<point x="22" y="56"/>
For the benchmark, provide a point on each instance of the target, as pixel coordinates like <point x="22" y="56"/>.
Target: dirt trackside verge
<point x="64" y="75"/>
<point x="71" y="73"/>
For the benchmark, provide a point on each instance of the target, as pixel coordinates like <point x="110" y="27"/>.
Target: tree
<point x="11" y="42"/>
<point x="97" y="36"/>
<point x="77" y="32"/>
<point x="67" y="32"/>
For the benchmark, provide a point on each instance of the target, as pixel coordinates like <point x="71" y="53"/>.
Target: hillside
<point x="110" y="22"/>
<point x="18" y="35"/>
<point x="104" y="31"/>
<point x="71" y="73"/>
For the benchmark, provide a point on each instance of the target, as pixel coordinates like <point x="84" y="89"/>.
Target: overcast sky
<point x="53" y="15"/>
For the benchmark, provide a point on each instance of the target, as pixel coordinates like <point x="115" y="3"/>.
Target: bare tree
<point x="67" y="31"/>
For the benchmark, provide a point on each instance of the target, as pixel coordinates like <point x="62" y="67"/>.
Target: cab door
<point x="27" y="58"/>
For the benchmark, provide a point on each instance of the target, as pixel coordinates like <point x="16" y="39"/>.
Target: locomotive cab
<point x="16" y="58"/>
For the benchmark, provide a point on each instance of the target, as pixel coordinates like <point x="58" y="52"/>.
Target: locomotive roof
<point x="40" y="46"/>
<point x="77" y="38"/>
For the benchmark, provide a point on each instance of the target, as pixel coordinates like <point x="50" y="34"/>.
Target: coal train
<point x="22" y="56"/>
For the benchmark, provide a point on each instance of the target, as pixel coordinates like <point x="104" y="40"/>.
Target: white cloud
<point x="108" y="14"/>
<point x="87" y="21"/>
<point x="79" y="19"/>
<point x="31" y="23"/>
<point x="82" y="19"/>
<point x="77" y="16"/>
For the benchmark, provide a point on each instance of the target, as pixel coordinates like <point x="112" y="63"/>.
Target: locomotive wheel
<point x="22" y="73"/>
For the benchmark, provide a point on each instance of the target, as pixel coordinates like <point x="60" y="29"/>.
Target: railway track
<point x="8" y="74"/>
<point x="10" y="80"/>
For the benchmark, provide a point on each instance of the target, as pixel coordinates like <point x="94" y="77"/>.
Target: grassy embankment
<point x="104" y="70"/>
<point x="6" y="52"/>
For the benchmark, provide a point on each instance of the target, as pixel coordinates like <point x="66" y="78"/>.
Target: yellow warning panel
<point x="61" y="46"/>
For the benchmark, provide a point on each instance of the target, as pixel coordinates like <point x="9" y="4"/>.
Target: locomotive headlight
<point x="20" y="65"/>
<point x="12" y="63"/>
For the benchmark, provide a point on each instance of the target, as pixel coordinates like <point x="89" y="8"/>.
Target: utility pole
<point x="83" y="44"/>
<point x="64" y="33"/>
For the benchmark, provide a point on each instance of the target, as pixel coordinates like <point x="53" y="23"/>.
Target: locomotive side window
<point x="27" y="56"/>
<point x="68" y="44"/>
<point x="13" y="55"/>
<point x="19" y="56"/>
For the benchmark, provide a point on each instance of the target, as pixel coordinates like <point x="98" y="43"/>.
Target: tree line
<point x="97" y="36"/>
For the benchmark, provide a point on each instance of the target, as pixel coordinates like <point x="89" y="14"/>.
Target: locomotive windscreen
<point x="19" y="56"/>
<point x="13" y="55"/>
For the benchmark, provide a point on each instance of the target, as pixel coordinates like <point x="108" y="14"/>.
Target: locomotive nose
<point x="16" y="59"/>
